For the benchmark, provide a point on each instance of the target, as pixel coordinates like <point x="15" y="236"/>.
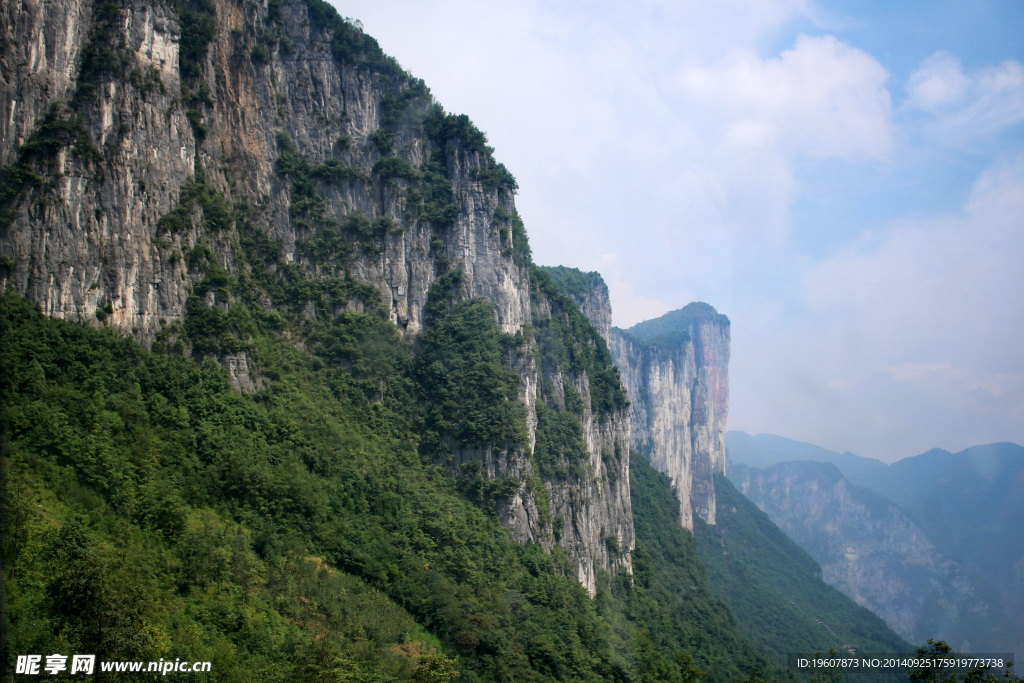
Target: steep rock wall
<point x="153" y="158"/>
<point x="591" y="508"/>
<point x="677" y="378"/>
<point x="102" y="244"/>
<point x="575" y="465"/>
<point x="871" y="550"/>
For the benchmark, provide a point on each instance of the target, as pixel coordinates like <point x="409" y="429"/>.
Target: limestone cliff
<point x="178" y="170"/>
<point x="576" y="470"/>
<point x="676" y="372"/>
<point x="113" y="118"/>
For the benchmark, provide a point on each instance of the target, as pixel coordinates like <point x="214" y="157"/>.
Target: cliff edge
<point x="676" y="372"/>
<point x="190" y="173"/>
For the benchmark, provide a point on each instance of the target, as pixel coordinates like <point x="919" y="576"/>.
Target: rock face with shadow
<point x="169" y="169"/>
<point x="676" y="372"/>
<point x="929" y="543"/>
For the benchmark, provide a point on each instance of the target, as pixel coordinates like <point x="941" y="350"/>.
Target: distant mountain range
<point x="933" y="543"/>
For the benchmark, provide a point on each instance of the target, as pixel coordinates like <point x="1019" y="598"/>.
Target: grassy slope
<point x="775" y="589"/>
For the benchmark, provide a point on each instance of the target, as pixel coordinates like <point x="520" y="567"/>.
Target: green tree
<point x="754" y="676"/>
<point x="92" y="602"/>
<point x="939" y="650"/>
<point x="935" y="649"/>
<point x="435" y="667"/>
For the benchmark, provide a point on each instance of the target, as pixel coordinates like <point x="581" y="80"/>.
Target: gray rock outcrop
<point x="676" y="372"/>
<point x="142" y="156"/>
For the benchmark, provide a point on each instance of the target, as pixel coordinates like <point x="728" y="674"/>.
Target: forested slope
<point x="775" y="588"/>
<point x="297" y="533"/>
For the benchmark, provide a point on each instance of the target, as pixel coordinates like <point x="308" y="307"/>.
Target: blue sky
<point x="844" y="180"/>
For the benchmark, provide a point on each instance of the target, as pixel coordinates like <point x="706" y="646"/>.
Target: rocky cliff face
<point x="676" y="371"/>
<point x="115" y="74"/>
<point x="577" y="472"/>
<point x="174" y="169"/>
<point x="874" y="552"/>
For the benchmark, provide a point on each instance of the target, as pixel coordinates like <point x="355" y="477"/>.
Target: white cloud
<point x="593" y="106"/>
<point x="822" y="98"/>
<point x="911" y="337"/>
<point x="939" y="82"/>
<point x="957" y="382"/>
<point x="964" y="106"/>
<point x="759" y="117"/>
<point x="949" y="285"/>
<point x="631" y="308"/>
<point x="676" y="136"/>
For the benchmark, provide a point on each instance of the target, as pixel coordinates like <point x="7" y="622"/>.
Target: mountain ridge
<point x="284" y="390"/>
<point x="677" y="378"/>
<point x="675" y="371"/>
<point x="205" y="172"/>
<point x="931" y="538"/>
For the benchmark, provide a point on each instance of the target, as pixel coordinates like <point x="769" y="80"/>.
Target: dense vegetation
<point x="673" y="328"/>
<point x="279" y="535"/>
<point x="462" y="367"/>
<point x="297" y="532"/>
<point x="566" y="339"/>
<point x="775" y="588"/>
<point x="151" y="511"/>
<point x="672" y="597"/>
<point x="574" y="282"/>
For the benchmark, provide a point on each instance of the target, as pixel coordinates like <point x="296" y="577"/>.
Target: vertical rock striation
<point x="148" y="131"/>
<point x="676" y="372"/>
<point x="166" y="166"/>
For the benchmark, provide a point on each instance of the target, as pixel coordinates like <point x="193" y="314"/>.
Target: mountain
<point x="676" y="372"/>
<point x="195" y="170"/>
<point x="872" y="551"/>
<point x="931" y="543"/>
<point x="590" y="293"/>
<point x="971" y="503"/>
<point x="765" y="450"/>
<point x="284" y="391"/>
<point x="971" y="498"/>
<point x="775" y="588"/>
